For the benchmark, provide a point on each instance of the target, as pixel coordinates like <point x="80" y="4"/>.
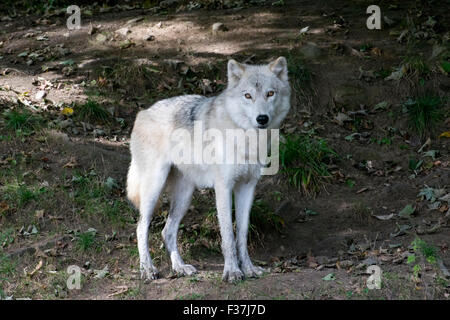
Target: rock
<point x="370" y="261"/>
<point x="86" y="126"/>
<point x="135" y="20"/>
<point x="123" y="31"/>
<point x="341" y="118"/>
<point x="40" y="95"/>
<point x="174" y="63"/>
<point x="98" y="132"/>
<point x="347" y="95"/>
<point x="218" y="26"/>
<point x="100" y="38"/>
<point x="150" y="38"/>
<point x="311" y="51"/>
<point x="65" y="123"/>
<point x="322" y="260"/>
<point x="168" y="3"/>
<point x="75" y="131"/>
<point x="346" y="263"/>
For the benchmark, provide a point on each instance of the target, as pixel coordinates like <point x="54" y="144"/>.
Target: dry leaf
<point x="39" y="214"/>
<point x="72" y="163"/>
<point x="39" y="266"/>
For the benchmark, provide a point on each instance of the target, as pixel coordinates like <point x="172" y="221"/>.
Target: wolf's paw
<point x="149" y="273"/>
<point x="253" y="271"/>
<point x="185" y="270"/>
<point x="232" y="275"/>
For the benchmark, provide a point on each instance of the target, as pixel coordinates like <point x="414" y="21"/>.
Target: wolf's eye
<point x="270" y="93"/>
<point x="248" y="96"/>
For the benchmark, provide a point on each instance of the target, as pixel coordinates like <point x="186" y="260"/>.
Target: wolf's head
<point x="258" y="96"/>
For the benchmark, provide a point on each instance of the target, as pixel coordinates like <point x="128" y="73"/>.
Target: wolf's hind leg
<point x="181" y="195"/>
<point x="151" y="185"/>
<point x="243" y="196"/>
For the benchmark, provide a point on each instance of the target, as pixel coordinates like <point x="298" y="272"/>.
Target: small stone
<point x="346" y="263"/>
<point x="168" y="3"/>
<point x="123" y="31"/>
<point x="218" y="26"/>
<point x="40" y="95"/>
<point x="135" y="20"/>
<point x="322" y="259"/>
<point x="150" y="38"/>
<point x="311" y="51"/>
<point x="98" y="132"/>
<point x="65" y="123"/>
<point x="100" y="37"/>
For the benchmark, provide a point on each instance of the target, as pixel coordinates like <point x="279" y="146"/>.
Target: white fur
<point x="152" y="167"/>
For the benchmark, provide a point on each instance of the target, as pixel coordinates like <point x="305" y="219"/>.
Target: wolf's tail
<point x="133" y="185"/>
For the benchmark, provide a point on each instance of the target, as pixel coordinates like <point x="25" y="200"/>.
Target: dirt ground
<point x="68" y="175"/>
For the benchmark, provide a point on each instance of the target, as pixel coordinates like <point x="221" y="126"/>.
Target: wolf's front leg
<point x="243" y="197"/>
<point x="231" y="271"/>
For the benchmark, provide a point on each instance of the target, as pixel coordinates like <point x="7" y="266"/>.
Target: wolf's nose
<point x="262" y="119"/>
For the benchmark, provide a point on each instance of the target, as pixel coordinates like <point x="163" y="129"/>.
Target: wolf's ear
<point x="235" y="71"/>
<point x="279" y="67"/>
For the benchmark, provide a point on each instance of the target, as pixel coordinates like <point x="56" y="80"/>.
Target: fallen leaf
<point x="329" y="277"/>
<point x="376" y="51"/>
<point x="72" y="163"/>
<point x="407" y="211"/>
<point x="304" y="30"/>
<point x="39" y="214"/>
<point x="384" y="217"/>
<point x="122" y="289"/>
<point x="100" y="274"/>
<point x="39" y="266"/>
<point x="341" y="118"/>
<point x="397" y="75"/>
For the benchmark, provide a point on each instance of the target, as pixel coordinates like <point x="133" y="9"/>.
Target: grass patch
<point x="298" y="72"/>
<point x="361" y="211"/>
<point x="85" y="240"/>
<point x="6" y="237"/>
<point x="423" y="253"/>
<point x="91" y="111"/>
<point x="262" y="219"/>
<point x="21" y="120"/>
<point x="424" y="113"/>
<point x="416" y="65"/>
<point x="7" y="266"/>
<point x="93" y="195"/>
<point x="428" y="251"/>
<point x="304" y="160"/>
<point x="20" y="194"/>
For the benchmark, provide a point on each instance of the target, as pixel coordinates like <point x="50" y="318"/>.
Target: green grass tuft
<point x="93" y="112"/>
<point x="424" y="113"/>
<point x="21" y="120"/>
<point x="304" y="160"/>
<point x="85" y="240"/>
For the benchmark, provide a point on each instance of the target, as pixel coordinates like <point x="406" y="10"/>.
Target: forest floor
<point x="68" y="99"/>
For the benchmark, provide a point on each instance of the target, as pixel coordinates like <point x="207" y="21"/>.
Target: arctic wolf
<point x="257" y="98"/>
